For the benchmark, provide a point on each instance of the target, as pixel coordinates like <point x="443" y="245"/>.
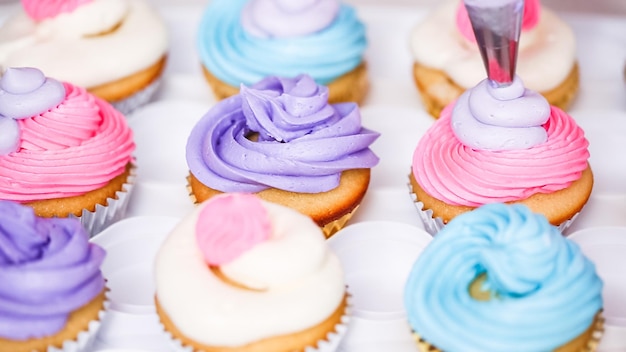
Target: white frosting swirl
<point x="287" y="18"/>
<point x="301" y="281"/>
<point x="116" y="37"/>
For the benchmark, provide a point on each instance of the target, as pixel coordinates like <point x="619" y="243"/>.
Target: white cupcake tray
<point x="386" y="234"/>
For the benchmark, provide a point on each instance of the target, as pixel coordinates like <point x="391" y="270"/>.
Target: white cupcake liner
<point x="115" y="210"/>
<point x="140" y="98"/>
<point x="329" y="344"/>
<point x="434" y="224"/>
<point x="85" y="339"/>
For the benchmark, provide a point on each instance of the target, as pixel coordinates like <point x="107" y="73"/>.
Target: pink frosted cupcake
<point x="64" y="152"/>
<point x="487" y="149"/>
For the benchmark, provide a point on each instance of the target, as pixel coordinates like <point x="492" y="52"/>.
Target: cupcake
<point x="487" y="149"/>
<point x="282" y="140"/>
<point x="501" y="278"/>
<point x="52" y="296"/>
<point x="447" y="61"/>
<point x="63" y="151"/>
<point x="242" y="42"/>
<point x="114" y="48"/>
<point x="256" y="276"/>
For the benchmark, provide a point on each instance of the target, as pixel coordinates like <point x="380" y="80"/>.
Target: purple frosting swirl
<point x="47" y="270"/>
<point x="303" y="143"/>
<point x="504" y="118"/>
<point x="287" y="18"/>
<point x="24" y="92"/>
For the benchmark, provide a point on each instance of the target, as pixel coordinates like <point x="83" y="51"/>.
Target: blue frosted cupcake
<point x="501" y="278"/>
<point x="243" y="41"/>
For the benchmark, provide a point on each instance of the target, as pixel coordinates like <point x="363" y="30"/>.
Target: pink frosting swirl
<point x="72" y="149"/>
<point x="459" y="175"/>
<point x="230" y="225"/>
<point x="532" y="10"/>
<point x="40" y="10"/>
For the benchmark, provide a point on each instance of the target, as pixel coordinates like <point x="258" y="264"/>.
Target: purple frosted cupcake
<point x="52" y="292"/>
<point x="282" y="140"/>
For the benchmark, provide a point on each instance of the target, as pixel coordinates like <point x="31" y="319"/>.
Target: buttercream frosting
<point x="547" y="51"/>
<point x="223" y="234"/>
<point x="502" y="118"/>
<point x="287" y="18"/>
<point x="40" y="10"/>
<point x="457" y="174"/>
<point x="235" y="55"/>
<point x="294" y="279"/>
<point x="48" y="269"/>
<point x="543" y="291"/>
<point x="303" y="143"/>
<point x="70" y="149"/>
<point x="24" y="92"/>
<point x="116" y="37"/>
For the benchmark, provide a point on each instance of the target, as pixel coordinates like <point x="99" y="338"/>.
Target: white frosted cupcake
<point x="116" y="49"/>
<point x="242" y="274"/>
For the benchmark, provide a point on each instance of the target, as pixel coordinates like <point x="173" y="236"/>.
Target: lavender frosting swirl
<point x="303" y="143"/>
<point x="47" y="269"/>
<point x="24" y="92"/>
<point x="505" y="118"/>
<point x="287" y="18"/>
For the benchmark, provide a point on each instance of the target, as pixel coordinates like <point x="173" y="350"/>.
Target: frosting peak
<point x="285" y="109"/>
<point x="24" y="93"/>
<point x="287" y="18"/>
<point x="504" y="118"/>
<point x="47" y="268"/>
<point x="229" y="225"/>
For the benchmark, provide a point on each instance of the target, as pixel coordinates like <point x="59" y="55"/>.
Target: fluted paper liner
<point x="85" y="339"/>
<point x="115" y="210"/>
<point x="434" y="224"/>
<point x="329" y="344"/>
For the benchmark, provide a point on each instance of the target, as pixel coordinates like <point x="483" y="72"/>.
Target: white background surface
<point x="392" y="108"/>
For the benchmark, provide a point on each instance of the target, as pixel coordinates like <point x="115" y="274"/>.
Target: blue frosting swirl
<point x="236" y="56"/>
<point x="544" y="291"/>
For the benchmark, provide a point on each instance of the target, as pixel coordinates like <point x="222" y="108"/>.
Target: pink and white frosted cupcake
<point x="242" y="274"/>
<point x="53" y="295"/>
<point x="504" y="145"/>
<point x="63" y="151"/>
<point x="114" y="48"/>
<point x="446" y="59"/>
